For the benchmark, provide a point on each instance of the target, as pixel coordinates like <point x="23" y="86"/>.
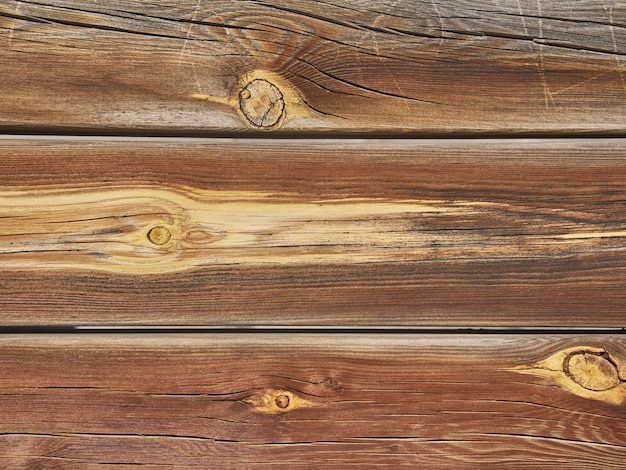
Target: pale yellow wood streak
<point x="580" y="236"/>
<point x="108" y="229"/>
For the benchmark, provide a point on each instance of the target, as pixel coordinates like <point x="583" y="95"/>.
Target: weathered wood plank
<point x="206" y="401"/>
<point x="411" y="233"/>
<point x="424" y="67"/>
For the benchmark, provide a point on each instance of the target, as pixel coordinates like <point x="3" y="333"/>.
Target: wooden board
<point x="208" y="401"/>
<point x="187" y="296"/>
<point x="335" y="233"/>
<point x="418" y="67"/>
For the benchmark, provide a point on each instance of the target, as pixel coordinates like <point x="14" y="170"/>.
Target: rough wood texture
<point x="227" y="401"/>
<point x="413" y="233"/>
<point x="349" y="234"/>
<point x="432" y="66"/>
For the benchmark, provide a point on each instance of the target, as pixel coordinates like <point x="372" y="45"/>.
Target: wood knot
<point x="262" y="103"/>
<point x="264" y="100"/>
<point x="282" y="401"/>
<point x="159" y="235"/>
<point x="331" y="383"/>
<point x="273" y="401"/>
<point x="588" y="372"/>
<point x="592" y="370"/>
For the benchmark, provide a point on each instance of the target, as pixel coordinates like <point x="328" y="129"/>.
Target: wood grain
<point x="290" y="66"/>
<point x="377" y="236"/>
<point x="202" y="401"/>
<point x="404" y="233"/>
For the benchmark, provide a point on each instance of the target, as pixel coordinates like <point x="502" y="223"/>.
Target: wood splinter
<point x="588" y="372"/>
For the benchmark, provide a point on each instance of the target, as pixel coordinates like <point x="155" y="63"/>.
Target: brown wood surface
<point x="422" y="67"/>
<point x="316" y="401"/>
<point x="355" y="240"/>
<point x="279" y="232"/>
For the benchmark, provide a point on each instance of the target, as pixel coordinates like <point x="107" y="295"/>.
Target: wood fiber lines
<point x="312" y="234"/>
<point x="320" y="400"/>
<point x="404" y="233"/>
<point x="420" y="67"/>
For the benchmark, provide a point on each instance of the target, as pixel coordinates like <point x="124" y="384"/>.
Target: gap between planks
<point x="299" y="330"/>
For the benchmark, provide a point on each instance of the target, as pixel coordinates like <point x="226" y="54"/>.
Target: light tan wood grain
<point x="198" y="401"/>
<point x="154" y="229"/>
<point x="431" y="67"/>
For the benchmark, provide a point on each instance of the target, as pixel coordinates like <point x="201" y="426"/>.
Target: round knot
<point x="593" y="371"/>
<point x="159" y="235"/>
<point x="262" y="103"/>
<point x="282" y="401"/>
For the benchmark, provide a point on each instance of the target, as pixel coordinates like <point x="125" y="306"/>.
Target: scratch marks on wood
<point x="389" y="73"/>
<point x="589" y="372"/>
<point x="188" y="34"/>
<point x="523" y="17"/>
<point x="547" y="94"/>
<point x="620" y="68"/>
<point x="584" y="82"/>
<point x="16" y="14"/>
<point x="442" y="26"/>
